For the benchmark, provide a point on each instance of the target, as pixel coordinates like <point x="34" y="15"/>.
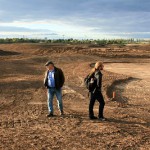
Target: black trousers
<point x="97" y="95"/>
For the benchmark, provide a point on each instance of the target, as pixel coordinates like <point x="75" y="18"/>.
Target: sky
<point x="78" y="19"/>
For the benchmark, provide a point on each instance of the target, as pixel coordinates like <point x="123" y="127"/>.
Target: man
<point x="95" y="84"/>
<point x="54" y="80"/>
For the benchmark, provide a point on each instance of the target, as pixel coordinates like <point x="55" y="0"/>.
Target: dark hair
<point x="49" y="63"/>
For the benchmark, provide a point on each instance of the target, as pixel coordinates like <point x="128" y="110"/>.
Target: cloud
<point x="93" y="16"/>
<point x="56" y="9"/>
<point x="11" y="31"/>
<point x="20" y="29"/>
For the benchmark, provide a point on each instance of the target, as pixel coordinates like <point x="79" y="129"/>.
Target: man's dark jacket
<point x="58" y="76"/>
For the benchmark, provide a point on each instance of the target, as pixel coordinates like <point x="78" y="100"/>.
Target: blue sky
<point x="75" y="18"/>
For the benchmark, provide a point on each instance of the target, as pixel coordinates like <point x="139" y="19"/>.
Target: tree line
<point x="99" y="42"/>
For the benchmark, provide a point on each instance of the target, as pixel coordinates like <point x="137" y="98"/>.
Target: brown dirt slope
<point x="23" y="104"/>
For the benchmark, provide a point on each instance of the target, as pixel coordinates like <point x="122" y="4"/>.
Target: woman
<point x="96" y="94"/>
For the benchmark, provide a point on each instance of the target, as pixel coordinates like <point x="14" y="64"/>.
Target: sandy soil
<point x="23" y="99"/>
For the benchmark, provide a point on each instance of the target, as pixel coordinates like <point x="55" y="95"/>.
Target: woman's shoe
<point x="102" y="119"/>
<point x="93" y="118"/>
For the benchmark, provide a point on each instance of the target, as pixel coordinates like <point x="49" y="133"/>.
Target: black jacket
<point x="97" y="75"/>
<point x="58" y="76"/>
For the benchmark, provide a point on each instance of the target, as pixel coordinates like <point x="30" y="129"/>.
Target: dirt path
<point x="23" y="107"/>
<point x="136" y="93"/>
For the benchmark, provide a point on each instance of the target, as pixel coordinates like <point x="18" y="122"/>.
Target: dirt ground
<point x="23" y="98"/>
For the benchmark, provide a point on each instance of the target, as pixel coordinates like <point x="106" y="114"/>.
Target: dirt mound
<point x="110" y="51"/>
<point x="8" y="53"/>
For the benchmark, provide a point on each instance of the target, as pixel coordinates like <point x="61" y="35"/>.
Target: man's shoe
<point x="50" y="115"/>
<point x="62" y="113"/>
<point x="93" y="118"/>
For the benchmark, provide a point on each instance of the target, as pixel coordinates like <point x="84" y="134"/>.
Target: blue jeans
<point x="51" y="93"/>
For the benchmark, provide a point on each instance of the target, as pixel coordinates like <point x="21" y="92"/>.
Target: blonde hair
<point x="97" y="65"/>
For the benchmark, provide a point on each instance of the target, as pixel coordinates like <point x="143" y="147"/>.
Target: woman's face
<point x="101" y="67"/>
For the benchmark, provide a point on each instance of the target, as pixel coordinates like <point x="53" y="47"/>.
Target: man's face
<point x="50" y="67"/>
